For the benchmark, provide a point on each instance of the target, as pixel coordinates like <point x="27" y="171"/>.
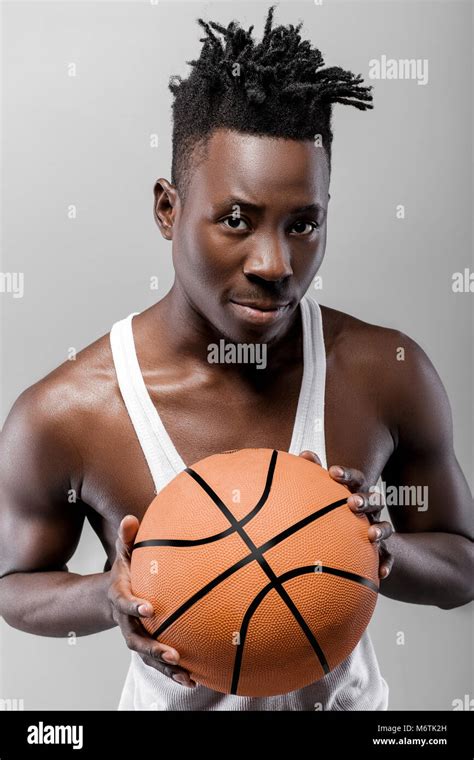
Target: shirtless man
<point x="247" y="215"/>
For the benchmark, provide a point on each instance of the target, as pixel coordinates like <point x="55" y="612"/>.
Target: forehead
<point x="263" y="167"/>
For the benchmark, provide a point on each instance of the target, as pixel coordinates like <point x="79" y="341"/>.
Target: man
<point x="247" y="214"/>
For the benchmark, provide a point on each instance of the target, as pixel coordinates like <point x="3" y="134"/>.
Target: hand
<point x="369" y="503"/>
<point x="127" y="610"/>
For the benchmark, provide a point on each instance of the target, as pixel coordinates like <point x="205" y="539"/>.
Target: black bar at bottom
<point x="89" y="734"/>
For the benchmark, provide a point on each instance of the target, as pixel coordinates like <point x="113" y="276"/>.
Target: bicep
<point x="426" y="489"/>
<point x="40" y="519"/>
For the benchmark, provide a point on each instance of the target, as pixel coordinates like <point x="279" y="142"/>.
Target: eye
<point x="301" y="232"/>
<point x="234" y="223"/>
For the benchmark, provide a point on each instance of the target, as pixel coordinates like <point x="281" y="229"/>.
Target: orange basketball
<point x="259" y="573"/>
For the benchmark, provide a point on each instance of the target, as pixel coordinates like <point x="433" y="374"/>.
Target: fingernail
<point x="384" y="572"/>
<point x="378" y="532"/>
<point x="358" y="501"/>
<point x="144" y="610"/>
<point x="181" y="679"/>
<point x="170" y="657"/>
<point x="338" y="471"/>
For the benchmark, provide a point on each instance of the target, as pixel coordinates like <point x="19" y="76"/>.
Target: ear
<point x="165" y="207"/>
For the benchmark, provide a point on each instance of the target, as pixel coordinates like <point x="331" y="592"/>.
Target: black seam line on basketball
<point x="252" y="608"/>
<point x="300" y="524"/>
<point x="265" y="567"/>
<point x="264" y="547"/>
<point x="201" y="593"/>
<point x="268" y="545"/>
<point x="229" y="531"/>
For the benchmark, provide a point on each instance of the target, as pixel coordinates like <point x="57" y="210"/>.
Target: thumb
<point x="310" y="456"/>
<point x="128" y="529"/>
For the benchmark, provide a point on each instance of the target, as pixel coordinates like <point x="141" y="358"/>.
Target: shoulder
<point x="398" y="372"/>
<point x="364" y="342"/>
<point x="48" y="420"/>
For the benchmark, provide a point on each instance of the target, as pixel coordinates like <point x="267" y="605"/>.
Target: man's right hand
<point x="127" y="610"/>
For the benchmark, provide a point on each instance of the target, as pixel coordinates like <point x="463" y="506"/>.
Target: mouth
<point x="259" y="312"/>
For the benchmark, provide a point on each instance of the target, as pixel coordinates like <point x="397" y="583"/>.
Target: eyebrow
<point x="233" y="201"/>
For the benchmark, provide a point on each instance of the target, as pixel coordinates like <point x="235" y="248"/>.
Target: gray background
<point x="86" y="141"/>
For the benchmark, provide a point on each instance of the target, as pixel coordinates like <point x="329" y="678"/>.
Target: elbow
<point x="458" y="602"/>
<point x="462" y="586"/>
<point x="7" y="607"/>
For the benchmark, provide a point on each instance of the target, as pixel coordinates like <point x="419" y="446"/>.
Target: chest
<point x="207" y="420"/>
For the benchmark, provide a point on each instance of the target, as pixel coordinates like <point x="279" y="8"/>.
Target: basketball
<point x="259" y="573"/>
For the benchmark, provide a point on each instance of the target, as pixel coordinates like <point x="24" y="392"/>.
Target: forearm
<point x="56" y="603"/>
<point x="430" y="568"/>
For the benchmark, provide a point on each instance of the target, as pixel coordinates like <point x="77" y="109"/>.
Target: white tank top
<point x="356" y="683"/>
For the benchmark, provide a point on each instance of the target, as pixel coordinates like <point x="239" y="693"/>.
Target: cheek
<point x="202" y="257"/>
<point x="211" y="252"/>
<point x="306" y="262"/>
<point x="320" y="248"/>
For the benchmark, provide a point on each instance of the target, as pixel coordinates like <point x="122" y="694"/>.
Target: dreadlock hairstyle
<point x="275" y="88"/>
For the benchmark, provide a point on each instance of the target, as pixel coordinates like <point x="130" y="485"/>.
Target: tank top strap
<point x="162" y="458"/>
<point x="309" y="426"/>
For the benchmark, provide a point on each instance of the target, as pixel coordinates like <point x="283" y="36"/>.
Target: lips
<point x="259" y="312"/>
<point x="261" y="305"/>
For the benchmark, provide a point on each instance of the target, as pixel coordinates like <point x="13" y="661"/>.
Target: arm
<point x="430" y="557"/>
<point x="40" y="526"/>
<point x="432" y="546"/>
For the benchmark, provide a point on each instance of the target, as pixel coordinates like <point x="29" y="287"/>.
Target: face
<point x="252" y="233"/>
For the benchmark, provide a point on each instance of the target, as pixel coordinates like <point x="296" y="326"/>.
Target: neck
<point x="184" y="335"/>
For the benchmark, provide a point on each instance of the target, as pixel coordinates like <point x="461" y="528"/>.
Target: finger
<point x="125" y="538"/>
<point x="366" y="503"/>
<point x="125" y="603"/>
<point x="310" y="456"/>
<point x="380" y="531"/>
<point x="184" y="679"/>
<point x="352" y="479"/>
<point x="386" y="563"/>
<point x="180" y="675"/>
<point x="127" y="531"/>
<point x="141" y="642"/>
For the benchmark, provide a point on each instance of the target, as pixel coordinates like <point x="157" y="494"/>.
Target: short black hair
<point x="276" y="88"/>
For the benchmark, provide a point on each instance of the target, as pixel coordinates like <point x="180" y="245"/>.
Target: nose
<point x="270" y="261"/>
